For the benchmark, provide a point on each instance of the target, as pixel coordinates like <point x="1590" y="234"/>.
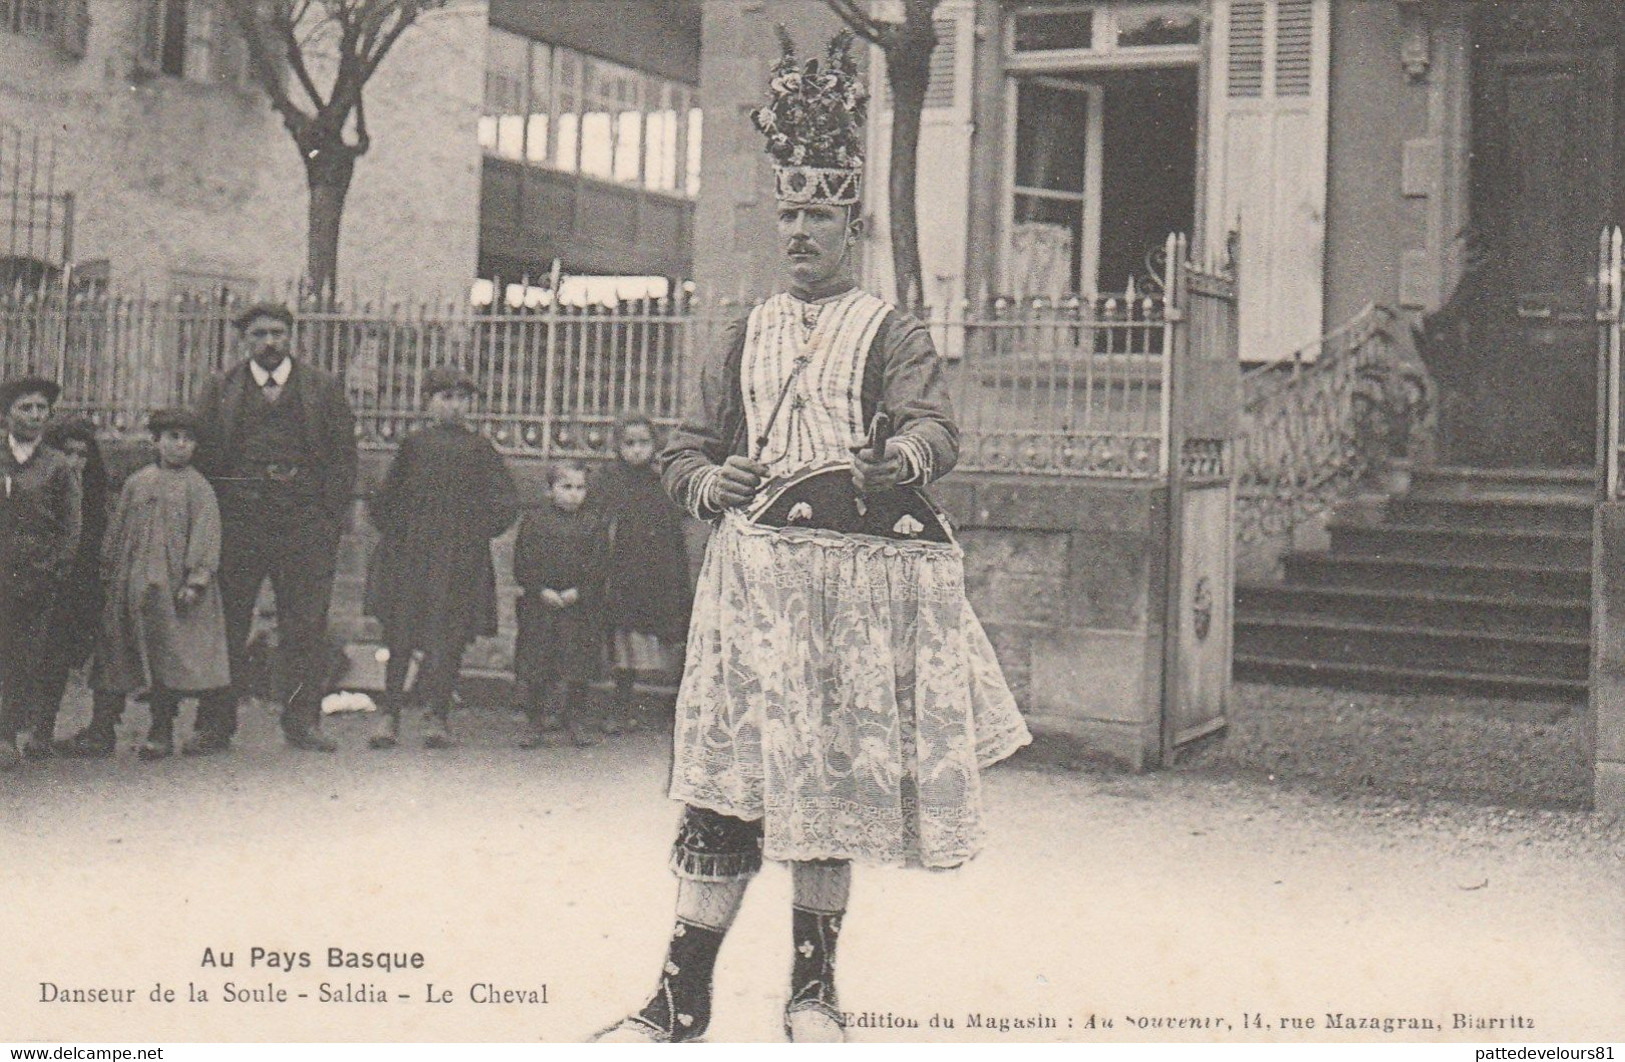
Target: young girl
<point x="446" y="496"/>
<point x="162" y="628"/>
<point x="646" y="592"/>
<point x="558" y="562"/>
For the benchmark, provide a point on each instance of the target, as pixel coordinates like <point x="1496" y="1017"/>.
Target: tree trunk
<point x="328" y="170"/>
<point x="908" y="70"/>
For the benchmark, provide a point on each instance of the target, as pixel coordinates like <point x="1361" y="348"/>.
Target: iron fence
<point x="1079" y="387"/>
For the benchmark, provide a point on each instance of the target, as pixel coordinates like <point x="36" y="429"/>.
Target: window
<point x="1055" y="188"/>
<point x="197" y="40"/>
<point x="64" y="22"/>
<point x="1103" y="28"/>
<point x="1047" y="31"/>
<point x="1157" y="25"/>
<point x="507" y="75"/>
<point x="554" y="107"/>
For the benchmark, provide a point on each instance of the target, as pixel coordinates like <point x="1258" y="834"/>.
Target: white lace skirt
<point x="840" y="689"/>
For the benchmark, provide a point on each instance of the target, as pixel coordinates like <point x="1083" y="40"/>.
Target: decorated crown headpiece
<point x="813" y="122"/>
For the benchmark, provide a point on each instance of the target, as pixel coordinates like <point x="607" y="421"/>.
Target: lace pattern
<point x="841" y="689"/>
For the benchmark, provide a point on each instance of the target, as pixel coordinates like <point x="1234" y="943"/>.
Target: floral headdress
<point x="813" y="122"/>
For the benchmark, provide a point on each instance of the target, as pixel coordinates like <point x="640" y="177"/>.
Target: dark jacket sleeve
<point x="527" y="553"/>
<point x="595" y="568"/>
<point x="67" y="499"/>
<point x="339" y="444"/>
<point x="211" y="443"/>
<point x="915" y="394"/>
<point x="500" y="493"/>
<point x="707" y="434"/>
<point x="385" y="508"/>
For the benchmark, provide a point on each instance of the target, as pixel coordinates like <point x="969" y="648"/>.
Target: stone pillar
<point x="1605" y="715"/>
<point x="1069" y="577"/>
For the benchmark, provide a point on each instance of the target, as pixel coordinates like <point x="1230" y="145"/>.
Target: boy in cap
<point x="431" y="583"/>
<point x="163" y="629"/>
<point x="39" y="535"/>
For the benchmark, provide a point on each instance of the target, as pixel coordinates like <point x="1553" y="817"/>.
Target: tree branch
<point x="363" y="140"/>
<point x="859" y="21"/>
<point x="245" y="14"/>
<point x="387" y="43"/>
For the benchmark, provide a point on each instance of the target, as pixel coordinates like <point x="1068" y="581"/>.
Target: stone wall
<point x="1068" y="578"/>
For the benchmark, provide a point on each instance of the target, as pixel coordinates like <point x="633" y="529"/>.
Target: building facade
<point x="506" y="136"/>
<point x="591" y="137"/>
<point x="183" y="177"/>
<point x="1456" y="160"/>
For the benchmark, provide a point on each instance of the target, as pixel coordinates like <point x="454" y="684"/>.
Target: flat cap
<point x="275" y="310"/>
<point x="174" y="417"/>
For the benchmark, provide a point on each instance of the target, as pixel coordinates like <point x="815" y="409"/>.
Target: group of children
<point x="601" y="564"/>
<point x="604" y="572"/>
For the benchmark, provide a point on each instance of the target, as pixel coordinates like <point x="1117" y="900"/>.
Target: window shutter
<point x="230" y="49"/>
<point x="149" y="36"/>
<point x="1246" y="55"/>
<point x="1267" y="144"/>
<point x="940" y="91"/>
<point x="73" y="27"/>
<point x="1294" y="47"/>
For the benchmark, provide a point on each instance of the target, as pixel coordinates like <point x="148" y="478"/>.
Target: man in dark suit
<point x="277" y="440"/>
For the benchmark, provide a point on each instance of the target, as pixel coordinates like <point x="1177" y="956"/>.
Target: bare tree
<point x="907" y="46"/>
<point x="342" y="42"/>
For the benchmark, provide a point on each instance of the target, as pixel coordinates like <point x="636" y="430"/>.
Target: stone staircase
<point x="1476" y="580"/>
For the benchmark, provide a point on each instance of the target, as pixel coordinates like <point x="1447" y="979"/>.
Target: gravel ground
<point x="1420" y="747"/>
<point x="1139" y="898"/>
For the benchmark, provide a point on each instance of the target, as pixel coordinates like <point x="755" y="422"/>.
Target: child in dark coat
<point x="558" y="562"/>
<point x="647" y="595"/>
<point x="432" y="585"/>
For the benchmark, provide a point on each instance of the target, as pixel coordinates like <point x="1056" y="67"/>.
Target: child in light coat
<point x="162" y="626"/>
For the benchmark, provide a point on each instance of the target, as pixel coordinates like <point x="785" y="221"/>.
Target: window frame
<point x="1105" y="50"/>
<point x="579" y="87"/>
<point x="1089" y="200"/>
<point x="206" y="39"/>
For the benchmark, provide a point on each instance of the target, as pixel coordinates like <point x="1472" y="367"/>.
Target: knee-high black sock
<point x="680" y="1009"/>
<point x="812" y="969"/>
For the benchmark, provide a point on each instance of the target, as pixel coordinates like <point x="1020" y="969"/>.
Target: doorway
<point x="1102" y="168"/>
<point x="1545" y="179"/>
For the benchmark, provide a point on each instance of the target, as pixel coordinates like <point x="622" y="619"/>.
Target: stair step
<point x="1261" y="667"/>
<point x="1484" y="578"/>
<point x="1509" y="513"/>
<point x="1308" y="637"/>
<point x="1505" y="484"/>
<point x="1547" y="548"/>
<point x="1568" y="616"/>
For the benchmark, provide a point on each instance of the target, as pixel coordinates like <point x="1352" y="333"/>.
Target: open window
<point x="196" y="40"/>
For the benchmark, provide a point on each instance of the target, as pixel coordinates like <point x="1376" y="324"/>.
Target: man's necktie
<point x="271" y="390"/>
